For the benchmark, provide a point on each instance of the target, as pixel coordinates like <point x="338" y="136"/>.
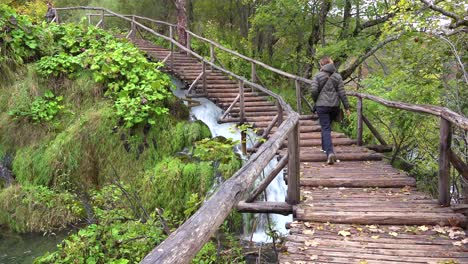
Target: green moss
<point x="171" y="183"/>
<point x="37" y="209"/>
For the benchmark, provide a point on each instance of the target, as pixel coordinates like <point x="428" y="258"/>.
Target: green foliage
<point x="176" y="186"/>
<point x="20" y="39"/>
<point x="214" y="150"/>
<point x="220" y="152"/>
<point x="58" y="65"/>
<point x="42" y="108"/>
<point x="37" y="209"/>
<point x="137" y="87"/>
<point x="117" y="237"/>
<point x="207" y="255"/>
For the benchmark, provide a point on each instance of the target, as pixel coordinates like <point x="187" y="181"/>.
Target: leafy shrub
<point x="118" y="236"/>
<point x="58" y="65"/>
<point x="20" y="40"/>
<point x="42" y="109"/>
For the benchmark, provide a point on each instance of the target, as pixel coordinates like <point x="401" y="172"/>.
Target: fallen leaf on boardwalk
<point x="344" y="233"/>
<point x="319" y="227"/>
<point x="308" y="224"/>
<point x="464" y="241"/>
<point x="423" y="228"/>
<point x="313" y="257"/>
<point x="393" y="234"/>
<point x="300" y="262"/>
<point x="342" y="188"/>
<point x="458" y="243"/>
<point x="363" y="262"/>
<point x="375" y="237"/>
<point x="303" y="248"/>
<point x="394" y="228"/>
<point x="453" y="234"/>
<point x="440" y="229"/>
<point x="311" y="243"/>
<point x="308" y="232"/>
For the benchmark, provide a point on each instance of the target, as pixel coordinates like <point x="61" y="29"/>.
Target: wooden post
<point x="133" y="29"/>
<point x="373" y="130"/>
<point x="359" y="121"/>
<point x="254" y="73"/>
<point x="102" y="19"/>
<point x="189" y="39"/>
<point x="298" y="96"/>
<point x="294" y="195"/>
<point x="242" y="117"/>
<point x="212" y="54"/>
<point x="171" y="36"/>
<point x="241" y="101"/>
<point x="204" y="78"/>
<point x="89" y="19"/>
<point x="444" y="162"/>
<point x="280" y="113"/>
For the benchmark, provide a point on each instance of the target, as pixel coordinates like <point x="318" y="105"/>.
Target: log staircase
<point x="359" y="210"/>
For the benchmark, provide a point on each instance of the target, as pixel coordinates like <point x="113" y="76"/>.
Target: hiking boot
<point x="331" y="159"/>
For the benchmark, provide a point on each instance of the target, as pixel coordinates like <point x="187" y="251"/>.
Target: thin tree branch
<point x="458" y="21"/>
<point x="348" y="71"/>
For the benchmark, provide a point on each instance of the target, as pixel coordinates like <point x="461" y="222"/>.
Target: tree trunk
<point x="181" y="21"/>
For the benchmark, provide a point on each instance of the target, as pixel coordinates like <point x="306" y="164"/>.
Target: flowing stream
<point x="208" y="113"/>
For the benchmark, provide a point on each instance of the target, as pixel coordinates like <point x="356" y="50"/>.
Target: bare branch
<point x="457" y="56"/>
<point x="347" y="72"/>
<point x="458" y="21"/>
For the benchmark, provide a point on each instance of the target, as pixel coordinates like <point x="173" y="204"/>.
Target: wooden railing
<point x="199" y="228"/>
<point x="446" y="155"/>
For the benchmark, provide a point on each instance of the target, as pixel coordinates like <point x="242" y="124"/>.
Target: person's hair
<point x="325" y="60"/>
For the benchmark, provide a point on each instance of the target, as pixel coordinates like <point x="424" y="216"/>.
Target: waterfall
<point x="209" y="113"/>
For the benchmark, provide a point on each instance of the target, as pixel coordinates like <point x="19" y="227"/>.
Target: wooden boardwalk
<point x="360" y="210"/>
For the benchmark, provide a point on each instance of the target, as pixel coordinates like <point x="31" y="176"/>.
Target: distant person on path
<point x="327" y="91"/>
<point x="51" y="12"/>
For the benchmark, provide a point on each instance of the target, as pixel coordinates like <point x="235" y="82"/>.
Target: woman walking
<point x="327" y="92"/>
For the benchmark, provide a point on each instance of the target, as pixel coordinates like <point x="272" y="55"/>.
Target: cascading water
<point x="208" y="113"/>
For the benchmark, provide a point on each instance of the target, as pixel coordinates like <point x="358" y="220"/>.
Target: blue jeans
<point x="326" y="115"/>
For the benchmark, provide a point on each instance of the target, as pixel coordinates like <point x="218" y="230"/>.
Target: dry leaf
<point x="363" y="262"/>
<point x="303" y="248"/>
<point x="308" y="232"/>
<point x="344" y="233"/>
<point x="313" y="257"/>
<point x="393" y="234"/>
<point x="423" y="228"/>
<point x="308" y="224"/>
<point x="440" y="229"/>
<point x="458" y="243"/>
<point x="311" y="243"/>
<point x="375" y="237"/>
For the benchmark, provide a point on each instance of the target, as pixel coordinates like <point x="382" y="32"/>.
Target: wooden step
<point x="318" y="142"/>
<point x="383" y="206"/>
<point x="388" y="244"/>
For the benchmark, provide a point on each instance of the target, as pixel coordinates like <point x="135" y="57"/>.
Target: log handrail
<point x="443" y="112"/>
<point x="447" y="119"/>
<point x="196" y="231"/>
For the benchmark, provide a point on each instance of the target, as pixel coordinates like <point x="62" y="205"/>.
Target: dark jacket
<point x="330" y="94"/>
